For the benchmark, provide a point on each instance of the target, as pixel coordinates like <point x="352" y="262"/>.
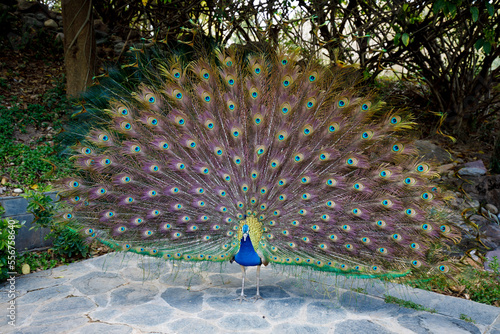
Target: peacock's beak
<point x="245" y="235"/>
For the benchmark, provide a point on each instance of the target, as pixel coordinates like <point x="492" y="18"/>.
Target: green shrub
<point x="35" y="261"/>
<point x="8" y="254"/>
<point x="66" y="242"/>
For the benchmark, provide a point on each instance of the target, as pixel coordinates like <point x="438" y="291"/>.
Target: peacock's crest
<point x="323" y="177"/>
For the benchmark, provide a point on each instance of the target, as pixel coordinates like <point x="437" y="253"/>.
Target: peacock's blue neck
<point x="246" y="255"/>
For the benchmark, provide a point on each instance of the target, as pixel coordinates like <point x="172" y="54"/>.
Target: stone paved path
<point x="121" y="294"/>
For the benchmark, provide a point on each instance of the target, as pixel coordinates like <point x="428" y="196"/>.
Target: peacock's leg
<point x="257" y="296"/>
<point x="242" y="296"/>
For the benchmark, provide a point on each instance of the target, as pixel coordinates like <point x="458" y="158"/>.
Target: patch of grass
<point x="36" y="162"/>
<point x="464" y="317"/>
<point x="30" y="165"/>
<point x="359" y="290"/>
<point x="408" y="304"/>
<point x="472" y="283"/>
<point x="42" y="260"/>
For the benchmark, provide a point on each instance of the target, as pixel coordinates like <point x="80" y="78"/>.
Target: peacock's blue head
<point x="246" y="231"/>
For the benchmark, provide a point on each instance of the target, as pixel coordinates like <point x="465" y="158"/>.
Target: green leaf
<point x="438" y="5"/>
<point x="487" y="47"/>
<point x="452" y="8"/>
<point x="475" y="13"/>
<point x="490" y="8"/>
<point x="406" y="39"/>
<point x="479" y="44"/>
<point x="396" y="39"/>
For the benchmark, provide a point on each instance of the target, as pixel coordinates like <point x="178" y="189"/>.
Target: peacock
<point x="257" y="158"/>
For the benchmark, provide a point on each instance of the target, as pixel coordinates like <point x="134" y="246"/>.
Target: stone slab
<point x="97" y="296"/>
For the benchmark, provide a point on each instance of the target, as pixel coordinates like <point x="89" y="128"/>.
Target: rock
<point x="484" y="188"/>
<point x="100" y="26"/>
<point x="118" y="47"/>
<point x="489" y="258"/>
<point x="473" y="255"/>
<point x="473" y="204"/>
<point x="473" y="168"/>
<point x="433" y="152"/>
<point x="491" y="235"/>
<point x="27" y="6"/>
<point x="471" y="171"/>
<point x="51" y="24"/>
<point x="18" y="190"/>
<point x="5" y="7"/>
<point x="101" y="37"/>
<point x="491" y="208"/>
<point x="59" y="36"/>
<point x="41" y="16"/>
<point x="446" y="167"/>
<point x="32" y="22"/>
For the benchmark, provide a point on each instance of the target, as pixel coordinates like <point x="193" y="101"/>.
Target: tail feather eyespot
<point x="422" y="168"/>
<point x="343" y="102"/>
<point x="365" y="106"/>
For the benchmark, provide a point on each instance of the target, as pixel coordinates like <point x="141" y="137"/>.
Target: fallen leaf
<point x="25" y="269"/>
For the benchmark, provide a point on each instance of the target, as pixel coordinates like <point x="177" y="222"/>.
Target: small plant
<point x="472" y="283"/>
<point x="464" y="317"/>
<point x="8" y="254"/>
<point x="66" y="242"/>
<point x="35" y="261"/>
<point x="359" y="290"/>
<point x="407" y="304"/>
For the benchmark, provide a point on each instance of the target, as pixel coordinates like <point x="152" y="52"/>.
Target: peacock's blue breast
<point x="247" y="256"/>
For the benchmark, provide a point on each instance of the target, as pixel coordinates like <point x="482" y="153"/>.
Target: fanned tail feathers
<point x="324" y="177"/>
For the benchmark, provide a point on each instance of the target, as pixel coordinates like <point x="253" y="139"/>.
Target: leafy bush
<point x="8" y="231"/>
<point x="42" y="261"/>
<point x="66" y="242"/>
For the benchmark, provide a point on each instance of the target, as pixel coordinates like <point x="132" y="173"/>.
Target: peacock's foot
<point x="241" y="298"/>
<point x="257" y="297"/>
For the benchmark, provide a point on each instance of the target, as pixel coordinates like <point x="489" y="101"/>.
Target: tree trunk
<point x="495" y="157"/>
<point x="79" y="44"/>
